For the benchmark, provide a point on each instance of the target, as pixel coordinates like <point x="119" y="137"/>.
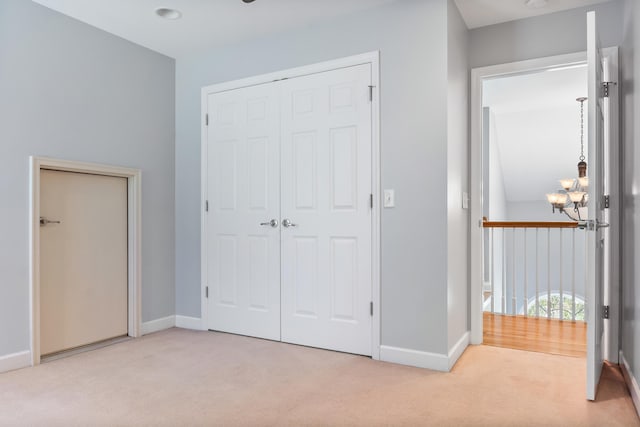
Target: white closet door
<point x="326" y="185"/>
<point x="243" y="191"/>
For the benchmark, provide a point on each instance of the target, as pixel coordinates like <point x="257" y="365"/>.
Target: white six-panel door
<point x="296" y="151"/>
<point x="595" y="233"/>
<point x="243" y="187"/>
<point x="326" y="187"/>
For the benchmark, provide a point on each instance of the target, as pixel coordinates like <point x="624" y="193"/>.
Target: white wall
<point x="457" y="174"/>
<point x="537" y="210"/>
<point x="545" y="35"/>
<point x="497" y="193"/>
<point x="71" y="91"/>
<point x="630" y="179"/>
<point x="412" y="39"/>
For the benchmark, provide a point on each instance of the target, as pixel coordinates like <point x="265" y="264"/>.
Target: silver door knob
<point x="273" y="223"/>
<point x="287" y="223"/>
<point x="45" y="221"/>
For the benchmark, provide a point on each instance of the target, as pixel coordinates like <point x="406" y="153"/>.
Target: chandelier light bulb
<point x="576" y="196"/>
<point x="584" y="182"/>
<point x="567" y="183"/>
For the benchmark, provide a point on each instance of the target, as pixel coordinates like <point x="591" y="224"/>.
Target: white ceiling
<point x="537" y="129"/>
<point x="479" y="13"/>
<point x="212" y="23"/>
<point x="204" y="23"/>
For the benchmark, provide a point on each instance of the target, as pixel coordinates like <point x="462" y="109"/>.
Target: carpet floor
<point x="183" y="378"/>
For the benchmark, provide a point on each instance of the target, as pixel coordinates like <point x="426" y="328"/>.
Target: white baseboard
<point x="424" y="359"/>
<point x="456" y="351"/>
<point x="158" y="325"/>
<point x="632" y="384"/>
<point x="420" y="359"/>
<point x="15" y="361"/>
<point x="187" y="322"/>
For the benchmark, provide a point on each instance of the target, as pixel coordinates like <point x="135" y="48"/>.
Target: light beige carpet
<point x="183" y="378"/>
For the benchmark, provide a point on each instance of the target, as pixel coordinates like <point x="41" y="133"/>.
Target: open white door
<point x="595" y="224"/>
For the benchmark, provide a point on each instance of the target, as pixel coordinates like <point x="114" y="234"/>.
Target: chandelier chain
<point x="582" y="131"/>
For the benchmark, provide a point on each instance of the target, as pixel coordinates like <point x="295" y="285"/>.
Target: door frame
<point x="478" y="75"/>
<point x="372" y="58"/>
<point x="134" y="229"/>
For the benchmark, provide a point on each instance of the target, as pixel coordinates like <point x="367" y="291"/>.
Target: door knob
<point x="287" y="223"/>
<point x="273" y="223"/>
<point x="44" y="221"/>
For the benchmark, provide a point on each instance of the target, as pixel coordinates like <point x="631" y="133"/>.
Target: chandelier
<point x="573" y="197"/>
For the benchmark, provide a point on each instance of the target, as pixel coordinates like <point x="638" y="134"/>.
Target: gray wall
<point x="630" y="303"/>
<point x="73" y="92"/>
<point x="546" y="35"/>
<point x="412" y="38"/>
<point x="457" y="174"/>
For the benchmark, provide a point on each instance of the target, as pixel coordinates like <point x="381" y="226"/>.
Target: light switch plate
<point x="389" y="199"/>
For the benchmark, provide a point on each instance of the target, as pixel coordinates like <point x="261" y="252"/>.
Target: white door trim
<point x="134" y="219"/>
<point x="493" y="71"/>
<point x="372" y="58"/>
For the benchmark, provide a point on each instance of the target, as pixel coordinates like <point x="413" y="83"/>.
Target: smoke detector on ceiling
<point x="536" y="4"/>
<point x="170" y="14"/>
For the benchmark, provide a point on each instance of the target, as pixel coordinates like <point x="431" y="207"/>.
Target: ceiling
<point x="213" y="23"/>
<point x="537" y="129"/>
<point x="204" y="23"/>
<point x="480" y="13"/>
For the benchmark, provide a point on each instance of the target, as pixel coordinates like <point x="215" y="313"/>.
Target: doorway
<point x="68" y="323"/>
<point x="610" y="148"/>
<point x="290" y="198"/>
<point x="534" y="282"/>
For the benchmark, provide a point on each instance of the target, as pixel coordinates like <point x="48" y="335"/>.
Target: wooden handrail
<point x="529" y="224"/>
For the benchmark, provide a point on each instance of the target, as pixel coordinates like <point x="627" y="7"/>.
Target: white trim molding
<point x="14" y="361"/>
<point x="458" y="349"/>
<point x="632" y="384"/>
<point x="186" y="322"/>
<point x="134" y="232"/>
<point x="420" y="359"/>
<point x="423" y="359"/>
<point x="372" y="58"/>
<point x="158" y="325"/>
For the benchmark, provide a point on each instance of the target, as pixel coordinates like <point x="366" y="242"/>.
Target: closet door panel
<point x="326" y="185"/>
<point x="243" y="169"/>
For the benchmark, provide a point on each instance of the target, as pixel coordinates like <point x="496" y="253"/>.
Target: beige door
<point x="83" y="259"/>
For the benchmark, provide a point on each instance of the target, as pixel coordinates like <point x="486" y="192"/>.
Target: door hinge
<point x="206" y="292"/>
<point x="206" y="206"/>
<point x="371" y="308"/>
<point x="605" y="311"/>
<point x="371" y="200"/>
<point x="206" y="119"/>
<point x="371" y="93"/>
<point x="605" y="201"/>
<point x="605" y="88"/>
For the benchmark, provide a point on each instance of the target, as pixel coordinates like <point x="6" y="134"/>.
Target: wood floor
<point x="566" y="338"/>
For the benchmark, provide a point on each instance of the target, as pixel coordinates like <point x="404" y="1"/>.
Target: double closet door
<point x="289" y="224"/>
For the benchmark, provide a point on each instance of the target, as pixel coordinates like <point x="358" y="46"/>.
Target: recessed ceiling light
<point x="535" y="4"/>
<point x="170" y="14"/>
